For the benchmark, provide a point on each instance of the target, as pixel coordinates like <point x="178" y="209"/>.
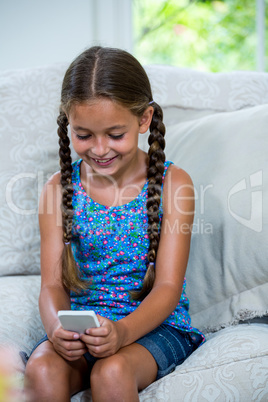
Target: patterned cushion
<point x="226" y="156"/>
<point x="28" y="110"/>
<point x="218" y="92"/>
<point x="231" y="366"/>
<point x="20" y="322"/>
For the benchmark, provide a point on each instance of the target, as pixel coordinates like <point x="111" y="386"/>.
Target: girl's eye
<point x="82" y="137"/>
<point x="86" y="137"/>
<point x="117" y="137"/>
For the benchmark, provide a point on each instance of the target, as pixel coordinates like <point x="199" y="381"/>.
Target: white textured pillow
<point x="226" y="155"/>
<point x="197" y="90"/>
<point x="29" y="102"/>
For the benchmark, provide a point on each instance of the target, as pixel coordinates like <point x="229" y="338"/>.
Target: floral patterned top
<point x="110" y="248"/>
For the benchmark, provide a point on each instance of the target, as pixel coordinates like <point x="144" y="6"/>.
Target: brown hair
<point x="114" y="74"/>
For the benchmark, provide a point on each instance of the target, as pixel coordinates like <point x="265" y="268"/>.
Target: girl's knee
<point x="110" y="369"/>
<point x="112" y="380"/>
<point x="38" y="366"/>
<point x="46" y="378"/>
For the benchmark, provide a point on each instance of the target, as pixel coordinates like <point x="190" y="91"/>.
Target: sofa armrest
<point x="20" y="322"/>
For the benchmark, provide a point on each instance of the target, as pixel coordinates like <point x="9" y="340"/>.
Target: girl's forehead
<point x="101" y="111"/>
<point x="101" y="105"/>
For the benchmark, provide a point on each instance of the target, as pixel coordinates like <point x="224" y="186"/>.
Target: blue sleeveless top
<point x="110" y="247"/>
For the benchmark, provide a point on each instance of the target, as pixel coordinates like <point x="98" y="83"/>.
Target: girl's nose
<point x="100" y="147"/>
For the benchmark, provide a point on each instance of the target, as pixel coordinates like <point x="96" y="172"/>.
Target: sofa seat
<point x="231" y="366"/>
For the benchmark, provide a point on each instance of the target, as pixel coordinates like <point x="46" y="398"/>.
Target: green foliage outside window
<point x="205" y="35"/>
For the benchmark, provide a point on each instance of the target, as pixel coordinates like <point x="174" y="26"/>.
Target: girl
<point x="101" y="244"/>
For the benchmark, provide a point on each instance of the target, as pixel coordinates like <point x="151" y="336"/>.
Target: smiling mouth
<point x="104" y="162"/>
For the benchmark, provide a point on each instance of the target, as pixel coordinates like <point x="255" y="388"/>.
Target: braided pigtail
<point x="155" y="174"/>
<point x="70" y="275"/>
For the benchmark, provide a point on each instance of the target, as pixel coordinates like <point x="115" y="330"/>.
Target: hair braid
<point x="154" y="175"/>
<point x="70" y="276"/>
<point x="66" y="173"/>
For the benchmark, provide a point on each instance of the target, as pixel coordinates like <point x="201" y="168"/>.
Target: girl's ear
<point x="146" y="119"/>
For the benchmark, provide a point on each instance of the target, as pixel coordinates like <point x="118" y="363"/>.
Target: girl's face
<point x="105" y="135"/>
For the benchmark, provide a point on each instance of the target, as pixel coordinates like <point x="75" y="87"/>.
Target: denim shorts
<point x="168" y="345"/>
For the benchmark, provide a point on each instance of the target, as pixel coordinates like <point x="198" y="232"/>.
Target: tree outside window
<point x="206" y="35"/>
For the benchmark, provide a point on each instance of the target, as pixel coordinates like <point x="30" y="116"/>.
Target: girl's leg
<point x="120" y="377"/>
<point x="49" y="377"/>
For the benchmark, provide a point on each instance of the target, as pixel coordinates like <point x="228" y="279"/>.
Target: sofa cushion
<point x="29" y="154"/>
<point x="232" y="365"/>
<point x="196" y="90"/>
<point x="20" y="322"/>
<point x="226" y="156"/>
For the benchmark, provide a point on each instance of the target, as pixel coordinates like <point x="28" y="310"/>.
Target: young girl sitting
<point x="115" y="237"/>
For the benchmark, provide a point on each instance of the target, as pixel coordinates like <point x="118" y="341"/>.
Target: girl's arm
<point x="172" y="257"/>
<point x="171" y="263"/>
<point x="53" y="295"/>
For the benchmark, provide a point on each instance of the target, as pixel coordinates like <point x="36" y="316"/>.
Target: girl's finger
<point x="94" y="340"/>
<point x="71" y="352"/>
<point x="101" y="331"/>
<point x="73" y="345"/>
<point x="68" y="335"/>
<point x="99" y="353"/>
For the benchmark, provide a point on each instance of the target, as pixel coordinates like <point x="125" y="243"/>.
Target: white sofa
<point x="217" y="131"/>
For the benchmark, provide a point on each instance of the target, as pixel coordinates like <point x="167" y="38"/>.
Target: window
<point x="208" y="35"/>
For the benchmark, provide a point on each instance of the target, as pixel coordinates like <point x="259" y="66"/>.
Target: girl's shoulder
<point x="54" y="178"/>
<point x="51" y="192"/>
<point x="176" y="175"/>
<point x="178" y="190"/>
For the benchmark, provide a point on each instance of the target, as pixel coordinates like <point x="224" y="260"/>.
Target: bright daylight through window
<point x="208" y="35"/>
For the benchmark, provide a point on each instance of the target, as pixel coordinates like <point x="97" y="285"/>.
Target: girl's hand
<point x="67" y="344"/>
<point x="103" y="341"/>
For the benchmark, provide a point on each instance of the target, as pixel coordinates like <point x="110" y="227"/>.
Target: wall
<point x="40" y="32"/>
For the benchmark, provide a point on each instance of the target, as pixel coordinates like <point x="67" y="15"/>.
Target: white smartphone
<point x="78" y="321"/>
